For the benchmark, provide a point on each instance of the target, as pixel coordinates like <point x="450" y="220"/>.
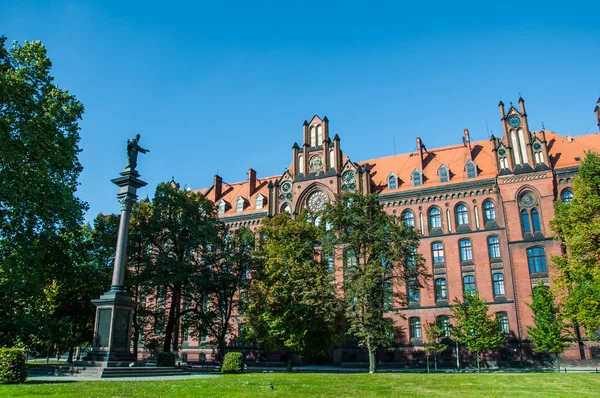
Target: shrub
<point x="233" y="363"/>
<point x="13" y="366"/>
<point x="166" y="359"/>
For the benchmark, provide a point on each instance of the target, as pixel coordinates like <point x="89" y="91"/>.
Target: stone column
<point x="114" y="309"/>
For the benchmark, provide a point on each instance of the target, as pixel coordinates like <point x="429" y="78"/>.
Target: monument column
<point x="114" y="309"/>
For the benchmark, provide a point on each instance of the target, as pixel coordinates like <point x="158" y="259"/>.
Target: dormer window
<point x="221" y="206"/>
<point x="392" y="182"/>
<point x="417" y="178"/>
<point x="259" y="202"/>
<point x="239" y="204"/>
<point x="471" y="169"/>
<point x="444" y="174"/>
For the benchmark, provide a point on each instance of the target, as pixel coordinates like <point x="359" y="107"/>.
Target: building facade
<point x="482" y="207"/>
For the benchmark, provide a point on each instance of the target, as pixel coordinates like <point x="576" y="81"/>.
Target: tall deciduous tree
<point x="181" y="229"/>
<point x="227" y="283"/>
<point x="292" y="302"/>
<point x="474" y="327"/>
<point x="549" y="333"/>
<point x="39" y="136"/>
<point x="381" y="255"/>
<point x="577" y="225"/>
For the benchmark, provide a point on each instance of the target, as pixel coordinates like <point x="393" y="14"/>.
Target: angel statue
<point x="132" y="152"/>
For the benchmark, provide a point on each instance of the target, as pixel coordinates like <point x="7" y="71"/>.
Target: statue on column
<point x="132" y="152"/>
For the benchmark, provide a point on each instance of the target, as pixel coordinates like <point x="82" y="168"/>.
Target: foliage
<point x="175" y="233"/>
<point x="13" y="366"/>
<point x="233" y="362"/>
<point x="474" y="327"/>
<point x="385" y="255"/>
<point x="39" y="213"/>
<point x="549" y="330"/>
<point x="435" y="334"/>
<point x="228" y="282"/>
<point x="165" y="359"/>
<point x="292" y="302"/>
<point x="577" y="225"/>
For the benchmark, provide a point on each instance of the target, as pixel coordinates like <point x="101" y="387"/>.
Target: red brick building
<point x="483" y="209"/>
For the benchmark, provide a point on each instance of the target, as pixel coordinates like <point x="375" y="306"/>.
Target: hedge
<point x="233" y="363"/>
<point x="13" y="366"/>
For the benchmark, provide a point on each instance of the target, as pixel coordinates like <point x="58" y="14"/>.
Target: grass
<point x="333" y="385"/>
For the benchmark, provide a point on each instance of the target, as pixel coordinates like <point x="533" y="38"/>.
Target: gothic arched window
<point x="408" y="218"/>
<point x="489" y="211"/>
<point x="435" y="218"/>
<point x="462" y="215"/>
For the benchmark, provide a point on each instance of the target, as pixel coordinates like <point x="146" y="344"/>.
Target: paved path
<point x="69" y="379"/>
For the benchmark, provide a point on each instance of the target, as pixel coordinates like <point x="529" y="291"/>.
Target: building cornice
<point x="440" y="189"/>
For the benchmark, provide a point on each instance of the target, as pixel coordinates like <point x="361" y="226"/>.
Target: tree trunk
<point x="372" y="364"/>
<point x="557" y="362"/>
<point x="478" y="366"/>
<point x="171" y="320"/>
<point x="435" y="360"/>
<point x="427" y="358"/>
<point x="70" y="358"/>
<point x="289" y="362"/>
<point x="222" y="347"/>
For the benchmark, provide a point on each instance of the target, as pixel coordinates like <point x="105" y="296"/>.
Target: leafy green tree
<point x="577" y="225"/>
<point x="181" y="230"/>
<point x="474" y="327"/>
<point x="292" y="304"/>
<point x="39" y="136"/>
<point x="228" y="282"/>
<point x="382" y="253"/>
<point x="435" y="334"/>
<point x="549" y="333"/>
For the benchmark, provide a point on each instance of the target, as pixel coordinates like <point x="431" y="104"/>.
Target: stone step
<point x="107" y="372"/>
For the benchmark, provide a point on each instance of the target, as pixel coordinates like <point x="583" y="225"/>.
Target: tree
<point x="435" y="333"/>
<point x="181" y="230"/>
<point x="550" y="331"/>
<point x="577" y="225"/>
<point x="228" y="283"/>
<point x="292" y="304"/>
<point x="380" y="253"/>
<point x="474" y="327"/>
<point x="39" y="137"/>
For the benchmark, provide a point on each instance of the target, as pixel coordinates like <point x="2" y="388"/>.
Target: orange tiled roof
<point x="563" y="153"/>
<point x="231" y="193"/>
<point x="454" y="157"/>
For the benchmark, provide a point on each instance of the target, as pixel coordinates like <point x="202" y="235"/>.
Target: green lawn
<point x="334" y="385"/>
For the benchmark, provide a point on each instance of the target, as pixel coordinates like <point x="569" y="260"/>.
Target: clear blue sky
<point x="222" y="86"/>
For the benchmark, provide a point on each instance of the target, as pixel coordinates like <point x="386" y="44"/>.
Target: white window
<point x="239" y="205"/>
<point x="221" y="207"/>
<point x="259" y="202"/>
<point x="319" y="135"/>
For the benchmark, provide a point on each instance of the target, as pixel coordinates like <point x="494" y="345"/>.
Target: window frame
<point x="437" y="217"/>
<point x="494" y="247"/>
<point x="440" y="289"/>
<point x="536" y="259"/>
<point x="503" y="324"/>
<point x="489" y="210"/>
<point x="389" y="184"/>
<point x="461" y="212"/>
<point x="411" y="218"/>
<point x="414" y="327"/>
<point x="435" y="253"/>
<point x="466" y="251"/>
<point x="472" y="285"/>
<point x="471" y="169"/>
<point x="566" y="195"/>
<point x="498" y="284"/>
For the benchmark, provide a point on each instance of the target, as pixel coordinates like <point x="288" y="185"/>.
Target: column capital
<point x="126" y="200"/>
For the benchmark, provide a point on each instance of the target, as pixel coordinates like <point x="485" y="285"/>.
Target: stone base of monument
<point x="112" y="334"/>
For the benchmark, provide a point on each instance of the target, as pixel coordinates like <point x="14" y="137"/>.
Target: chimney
<point x="569" y="138"/>
<point x="468" y="143"/>
<point x="218" y="187"/>
<point x="251" y="182"/>
<point x="501" y="106"/>
<point x="420" y="149"/>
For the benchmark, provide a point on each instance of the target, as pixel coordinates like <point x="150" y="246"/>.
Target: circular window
<point x="316" y="201"/>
